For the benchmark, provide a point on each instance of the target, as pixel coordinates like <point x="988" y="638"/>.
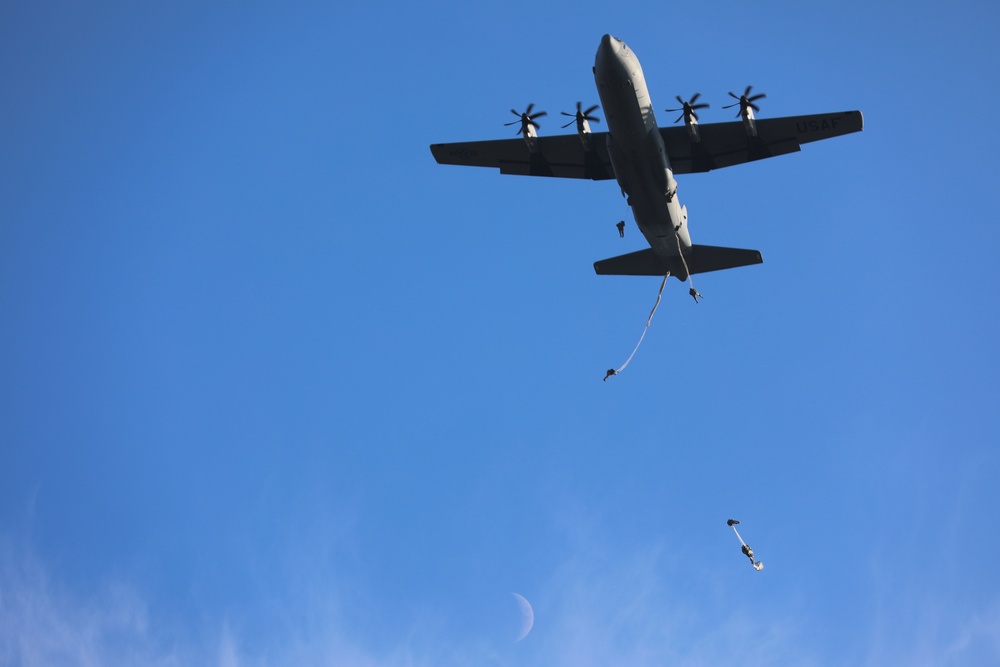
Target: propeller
<point x="688" y="108"/>
<point x="745" y="100"/>
<point x="581" y="115"/>
<point x="527" y="118"/>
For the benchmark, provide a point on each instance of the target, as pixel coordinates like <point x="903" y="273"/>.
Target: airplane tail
<point x="700" y="259"/>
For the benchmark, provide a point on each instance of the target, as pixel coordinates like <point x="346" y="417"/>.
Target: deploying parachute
<point x="747" y="550"/>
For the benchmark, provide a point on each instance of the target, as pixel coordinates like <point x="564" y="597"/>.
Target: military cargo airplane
<point x="644" y="158"/>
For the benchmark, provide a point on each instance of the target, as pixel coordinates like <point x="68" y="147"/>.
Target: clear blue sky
<point x="278" y="389"/>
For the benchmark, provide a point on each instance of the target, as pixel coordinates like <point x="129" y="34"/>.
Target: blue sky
<point x="279" y="389"/>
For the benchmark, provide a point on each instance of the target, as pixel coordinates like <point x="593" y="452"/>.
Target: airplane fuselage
<point x="636" y="149"/>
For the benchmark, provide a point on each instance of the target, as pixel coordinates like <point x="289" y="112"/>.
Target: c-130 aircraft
<point x="644" y="159"/>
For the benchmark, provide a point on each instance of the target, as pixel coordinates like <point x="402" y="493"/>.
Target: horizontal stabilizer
<point x="700" y="259"/>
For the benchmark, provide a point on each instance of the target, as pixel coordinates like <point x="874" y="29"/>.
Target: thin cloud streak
<point x="591" y="612"/>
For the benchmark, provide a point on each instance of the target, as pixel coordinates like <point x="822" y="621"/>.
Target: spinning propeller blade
<point x="526" y="118"/>
<point x="745" y="100"/>
<point x="581" y="115"/>
<point x="688" y="108"/>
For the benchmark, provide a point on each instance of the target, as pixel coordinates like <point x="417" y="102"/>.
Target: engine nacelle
<point x="583" y="131"/>
<point x="530" y="137"/>
<point x="691" y="124"/>
<point x="748" y="122"/>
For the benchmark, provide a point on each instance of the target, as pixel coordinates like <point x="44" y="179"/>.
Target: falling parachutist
<point x="746" y="548"/>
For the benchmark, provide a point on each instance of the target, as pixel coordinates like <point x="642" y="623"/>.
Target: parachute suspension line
<point x="693" y="292"/>
<point x="616" y="371"/>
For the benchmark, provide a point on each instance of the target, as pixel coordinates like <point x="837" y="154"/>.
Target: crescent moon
<point x="527" y="616"/>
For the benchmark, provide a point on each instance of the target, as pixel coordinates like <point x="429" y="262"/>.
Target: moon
<point x="527" y="616"/>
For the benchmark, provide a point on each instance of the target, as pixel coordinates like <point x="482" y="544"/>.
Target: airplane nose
<point x="607" y="52"/>
<point x="611" y="49"/>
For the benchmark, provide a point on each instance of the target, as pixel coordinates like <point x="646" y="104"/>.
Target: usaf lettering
<point x="818" y="125"/>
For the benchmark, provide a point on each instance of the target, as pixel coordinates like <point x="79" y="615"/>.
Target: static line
<point x="693" y="292"/>
<point x="644" y="330"/>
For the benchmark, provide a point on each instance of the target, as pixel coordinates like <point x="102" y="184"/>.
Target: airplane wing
<point x="562" y="156"/>
<point x="726" y="144"/>
<point x="721" y="145"/>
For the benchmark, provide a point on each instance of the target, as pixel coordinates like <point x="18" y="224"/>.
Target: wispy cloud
<point x="591" y="611"/>
<point x="918" y="624"/>
<point x="978" y="640"/>
<point x="41" y="623"/>
<point x="44" y="623"/>
<point x="626" y="612"/>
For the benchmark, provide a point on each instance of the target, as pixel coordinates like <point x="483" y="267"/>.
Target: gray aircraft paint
<point x="636" y="148"/>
